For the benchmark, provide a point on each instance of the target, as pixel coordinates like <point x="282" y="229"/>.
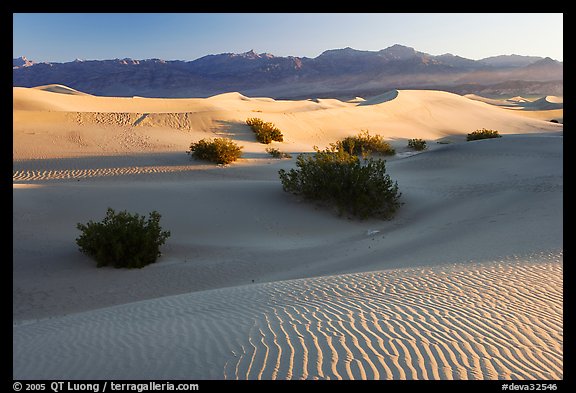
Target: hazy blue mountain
<point x="509" y="60"/>
<point x="344" y="71"/>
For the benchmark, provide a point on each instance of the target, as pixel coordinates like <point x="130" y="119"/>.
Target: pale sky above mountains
<point x="64" y="37"/>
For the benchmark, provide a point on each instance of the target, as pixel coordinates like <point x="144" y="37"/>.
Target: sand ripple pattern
<point x="492" y="320"/>
<point x="61" y="174"/>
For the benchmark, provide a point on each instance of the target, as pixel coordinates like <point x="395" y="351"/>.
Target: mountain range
<point x="336" y="73"/>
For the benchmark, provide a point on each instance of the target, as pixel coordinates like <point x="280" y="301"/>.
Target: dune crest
<point x="385" y="97"/>
<point x="548" y="102"/>
<point x="555" y="99"/>
<point x="61" y="89"/>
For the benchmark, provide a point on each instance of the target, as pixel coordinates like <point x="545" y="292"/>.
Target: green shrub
<point x="265" y="132"/>
<point x="219" y="150"/>
<point x="277" y="153"/>
<point x="123" y="239"/>
<point x="340" y="179"/>
<point x="365" y="144"/>
<point x="417" y="144"/>
<point x="483" y="134"/>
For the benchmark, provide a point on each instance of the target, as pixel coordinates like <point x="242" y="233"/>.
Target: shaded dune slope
<point x="500" y="320"/>
<point x="462" y="202"/>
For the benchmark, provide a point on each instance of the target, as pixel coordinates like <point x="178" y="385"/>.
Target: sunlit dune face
<point x="49" y="124"/>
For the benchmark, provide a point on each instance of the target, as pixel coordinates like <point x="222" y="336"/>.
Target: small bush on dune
<point x="255" y="122"/>
<point x="277" y="153"/>
<point x="219" y="150"/>
<point x="483" y="134"/>
<point x="123" y="239"/>
<point x="340" y="179"/>
<point x="417" y="144"/>
<point x="365" y="144"/>
<point x="265" y="132"/>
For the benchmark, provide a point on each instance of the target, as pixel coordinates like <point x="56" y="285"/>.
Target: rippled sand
<point x="494" y="320"/>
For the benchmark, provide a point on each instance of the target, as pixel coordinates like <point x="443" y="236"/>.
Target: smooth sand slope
<point x="464" y="283"/>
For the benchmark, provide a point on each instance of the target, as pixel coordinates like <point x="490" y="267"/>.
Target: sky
<point x="62" y="37"/>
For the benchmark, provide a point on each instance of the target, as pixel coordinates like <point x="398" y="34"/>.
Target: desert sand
<point x="465" y="282"/>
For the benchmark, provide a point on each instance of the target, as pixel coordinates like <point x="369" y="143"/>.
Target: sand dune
<point x="464" y="283"/>
<point x="543" y="103"/>
<point x="499" y="320"/>
<point x="513" y="102"/>
<point x="545" y="108"/>
<point x="74" y="125"/>
<point x="517" y="99"/>
<point x="555" y="99"/>
<point x="546" y="103"/>
<point x="458" y="198"/>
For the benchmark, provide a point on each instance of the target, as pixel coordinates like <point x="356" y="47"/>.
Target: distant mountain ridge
<point x="21" y="62"/>
<point x="510" y="60"/>
<point x="343" y="70"/>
